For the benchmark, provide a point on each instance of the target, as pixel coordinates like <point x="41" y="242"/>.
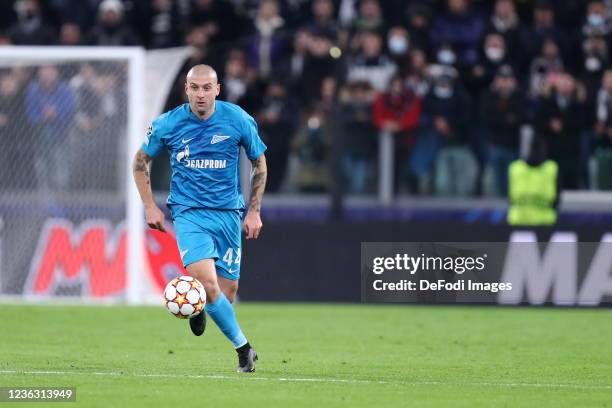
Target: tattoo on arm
<point x="258" y="183"/>
<point x="141" y="164"/>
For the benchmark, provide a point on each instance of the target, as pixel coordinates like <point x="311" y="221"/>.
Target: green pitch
<point x="314" y="356"/>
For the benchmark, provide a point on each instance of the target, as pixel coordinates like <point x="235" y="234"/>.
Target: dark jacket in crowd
<point x="456" y="109"/>
<point x="564" y="145"/>
<point x="501" y="117"/>
<point x="360" y="134"/>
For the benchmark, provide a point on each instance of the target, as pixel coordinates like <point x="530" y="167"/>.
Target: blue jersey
<point x="204" y="154"/>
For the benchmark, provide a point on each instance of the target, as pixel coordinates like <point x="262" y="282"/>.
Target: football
<point x="184" y="297"/>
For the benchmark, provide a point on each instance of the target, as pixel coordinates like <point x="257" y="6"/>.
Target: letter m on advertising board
<point x="91" y="257"/>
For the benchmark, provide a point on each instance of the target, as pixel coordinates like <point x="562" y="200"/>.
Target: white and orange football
<point x="184" y="297"/>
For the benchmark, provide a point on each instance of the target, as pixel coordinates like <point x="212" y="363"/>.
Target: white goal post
<point x="77" y="203"/>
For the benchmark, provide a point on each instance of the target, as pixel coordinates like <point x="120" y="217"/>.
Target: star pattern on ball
<point x="180" y="300"/>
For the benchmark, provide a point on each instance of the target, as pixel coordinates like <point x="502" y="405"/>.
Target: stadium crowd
<point x="459" y="84"/>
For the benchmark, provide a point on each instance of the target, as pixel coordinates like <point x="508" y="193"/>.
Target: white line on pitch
<point x="313" y="379"/>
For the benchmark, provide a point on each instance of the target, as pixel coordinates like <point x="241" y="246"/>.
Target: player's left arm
<point x="252" y="221"/>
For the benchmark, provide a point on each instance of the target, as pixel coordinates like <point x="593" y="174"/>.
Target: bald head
<point x="202" y="71"/>
<point x="202" y="87"/>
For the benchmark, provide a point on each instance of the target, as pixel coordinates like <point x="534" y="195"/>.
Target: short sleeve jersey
<point x="204" y="154"/>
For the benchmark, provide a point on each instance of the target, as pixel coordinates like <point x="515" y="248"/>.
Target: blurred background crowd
<point x="460" y="85"/>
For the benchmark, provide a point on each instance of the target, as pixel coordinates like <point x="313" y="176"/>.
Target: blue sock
<point x="222" y="313"/>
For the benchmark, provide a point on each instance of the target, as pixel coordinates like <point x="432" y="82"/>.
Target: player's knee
<point x="211" y="286"/>
<point x="204" y="271"/>
<point x="230" y="294"/>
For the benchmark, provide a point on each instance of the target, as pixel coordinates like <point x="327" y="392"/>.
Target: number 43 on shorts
<point x="228" y="258"/>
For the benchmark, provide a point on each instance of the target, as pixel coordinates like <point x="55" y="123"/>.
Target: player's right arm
<point x="153" y="144"/>
<point x="142" y="177"/>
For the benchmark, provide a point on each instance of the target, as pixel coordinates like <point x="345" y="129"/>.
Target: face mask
<point x="446" y="56"/>
<point x="398" y="45"/>
<point x="443" y="92"/>
<point x="563" y="101"/>
<point x="494" y="54"/>
<point x="595" y="19"/>
<point x="592" y="64"/>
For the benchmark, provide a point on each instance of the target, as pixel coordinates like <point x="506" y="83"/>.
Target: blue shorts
<point x="210" y="234"/>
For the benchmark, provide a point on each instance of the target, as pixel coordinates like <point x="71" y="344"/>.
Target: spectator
<point x="235" y="78"/>
<point x="446" y="115"/>
<point x="398" y="44"/>
<point x="460" y="29"/>
<point x="596" y="22"/>
<point x="603" y="126"/>
<point x="160" y="24"/>
<point x="329" y="95"/>
<point x="12" y="123"/>
<point x="277" y="123"/>
<point x="505" y="21"/>
<point x="310" y="62"/>
<point x="502" y="113"/>
<point x="369" y="17"/>
<point x="547" y="64"/>
<point x="31" y="29"/>
<point x="70" y="35"/>
<point x="267" y="46"/>
<point x="88" y="106"/>
<point x="398" y="112"/>
<point x="299" y="54"/>
<point x="446" y="56"/>
<point x="111" y="29"/>
<point x="296" y="66"/>
<point x="323" y="23"/>
<point x="596" y="59"/>
<point x="96" y="130"/>
<point x="416" y="79"/>
<point x="603" y="132"/>
<point x="371" y="63"/>
<point x="542" y="28"/>
<point x="561" y="120"/>
<point x="360" y="135"/>
<point x="494" y="55"/>
<point x="49" y="106"/>
<point x="419" y="26"/>
<point x="314" y="139"/>
<point x="312" y="145"/>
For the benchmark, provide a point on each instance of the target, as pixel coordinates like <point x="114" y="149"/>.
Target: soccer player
<point x="203" y="138"/>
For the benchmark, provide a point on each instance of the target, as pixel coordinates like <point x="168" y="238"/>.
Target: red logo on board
<point x="93" y="257"/>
